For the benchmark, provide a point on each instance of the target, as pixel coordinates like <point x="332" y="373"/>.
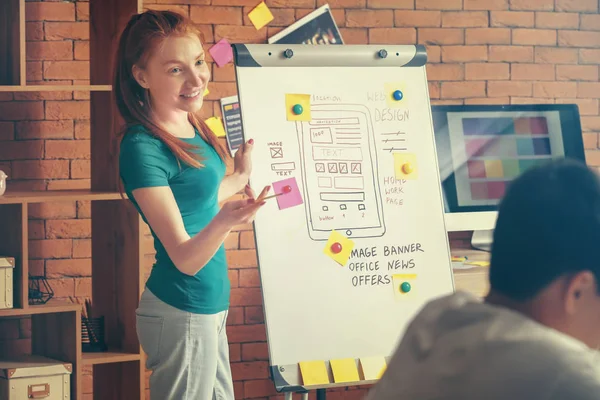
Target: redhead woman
<point x="173" y="171"/>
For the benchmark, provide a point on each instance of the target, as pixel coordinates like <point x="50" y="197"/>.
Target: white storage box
<point x="35" y="377"/>
<point x="7" y="265"/>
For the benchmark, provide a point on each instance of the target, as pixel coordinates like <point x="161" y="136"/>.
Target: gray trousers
<point x="187" y="353"/>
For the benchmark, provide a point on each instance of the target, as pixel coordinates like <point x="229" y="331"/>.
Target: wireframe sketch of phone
<point x="340" y="176"/>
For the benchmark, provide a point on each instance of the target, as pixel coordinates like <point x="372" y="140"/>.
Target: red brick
<point x="589" y="123"/>
<point x="485" y="71"/>
<point x="434" y="53"/>
<point x="271" y="3"/>
<point x="554" y="89"/>
<point x="34" y="31"/>
<point x="434" y="89"/>
<point x="397" y="4"/>
<point x="62" y="287"/>
<point x="489" y="100"/>
<point x="343" y="3"/>
<point x="235" y="352"/>
<point x="438" y="4"/>
<point x="590" y="140"/>
<point x="54" y="50"/>
<point x="82" y="11"/>
<point x="83" y="287"/>
<point x="590" y="22"/>
<point x="259" y="388"/>
<point x="84" y="208"/>
<point x="19" y="111"/>
<point x="369" y="18"/>
<point x="592" y="158"/>
<point x="485" y="5"/>
<point x="235" y="316"/>
<point x="66" y="70"/>
<point x="418" y="18"/>
<point x="445" y="102"/>
<point x="80" y="169"/>
<point x="69" y="149"/>
<point x="232" y="241"/>
<point x="511" y="88"/>
<point x="82" y="50"/>
<point x="225" y="73"/>
<point x="577" y="72"/>
<point x="244" y="34"/>
<point x="53" y="210"/>
<point x="464" y="53"/>
<point x="66" y="30"/>
<point x="392" y="35"/>
<point x="589" y="56"/>
<point x="255" y="351"/>
<point x="68" y="228"/>
<point x="533" y="72"/>
<point x="7" y="131"/>
<point x="246" y="333"/>
<point x="44" y="95"/>
<point x="216" y="15"/>
<point x="57" y="248"/>
<point x="577" y="5"/>
<point x="555" y="55"/>
<point x="531" y="100"/>
<point x="579" y="38"/>
<point x="82" y="248"/>
<point x="40" y="169"/>
<point x="69" y="267"/>
<point x="557" y="20"/>
<point x="33" y="71"/>
<point x="21" y="150"/>
<point x="62" y="129"/>
<point x="487" y="36"/>
<point x="538" y="37"/>
<point x="254" y="315"/>
<point x="249" y="278"/>
<point x="512" y="19"/>
<point x="465" y="19"/>
<point x="70" y="184"/>
<point x="442" y="36"/>
<point x="181" y="9"/>
<point x="586" y="106"/>
<point x="247" y="240"/>
<point x="36" y="230"/>
<point x="511" y="53"/>
<point x="59" y="11"/>
<point x="445" y="72"/>
<point x="241" y="259"/>
<point x="246" y="296"/>
<point x="82" y="129"/>
<point x="544" y="5"/>
<point x="243" y="371"/>
<point x="67" y="110"/>
<point x="462" y="89"/>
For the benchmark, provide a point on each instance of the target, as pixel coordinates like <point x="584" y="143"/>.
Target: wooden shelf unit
<point x="117" y="229"/>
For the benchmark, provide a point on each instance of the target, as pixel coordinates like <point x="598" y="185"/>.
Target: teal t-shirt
<point x="144" y="162"/>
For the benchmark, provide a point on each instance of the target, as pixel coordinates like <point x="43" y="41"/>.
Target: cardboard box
<point x="35" y="377"/>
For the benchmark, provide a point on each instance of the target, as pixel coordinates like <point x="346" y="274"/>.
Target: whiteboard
<point x="341" y="164"/>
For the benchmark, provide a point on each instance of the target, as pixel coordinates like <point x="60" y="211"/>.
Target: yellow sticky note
<point x="338" y="247"/>
<point x="493" y="169"/>
<point x="404" y="285"/>
<point x="479" y="263"/>
<point x="373" y="367"/>
<point x="215" y="125"/>
<point x="314" y="373"/>
<point x="344" y="370"/>
<point x="395" y="96"/>
<point x="260" y="15"/>
<point x="297" y="107"/>
<point x="405" y="166"/>
<point x="206" y="91"/>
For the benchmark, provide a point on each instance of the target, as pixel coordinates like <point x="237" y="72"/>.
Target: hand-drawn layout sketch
<point x="339" y="168"/>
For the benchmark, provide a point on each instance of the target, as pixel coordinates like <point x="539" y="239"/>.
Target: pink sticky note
<point x="221" y="52"/>
<point x="287" y="200"/>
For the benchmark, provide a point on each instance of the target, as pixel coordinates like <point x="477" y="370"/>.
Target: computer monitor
<point x="482" y="148"/>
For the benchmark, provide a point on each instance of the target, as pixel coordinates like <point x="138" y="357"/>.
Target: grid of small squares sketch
<point x="500" y="149"/>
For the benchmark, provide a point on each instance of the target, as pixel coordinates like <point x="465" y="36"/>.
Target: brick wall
<point x="480" y="51"/>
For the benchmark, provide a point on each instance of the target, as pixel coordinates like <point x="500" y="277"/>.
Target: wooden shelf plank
<point x="48" y="308"/>
<point x="55" y="88"/>
<point x="109" y="357"/>
<point x="43" y="196"/>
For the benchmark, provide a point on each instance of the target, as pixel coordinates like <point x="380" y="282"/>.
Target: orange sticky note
<point x="314" y="373"/>
<point x="373" y="367"/>
<point x="344" y="370"/>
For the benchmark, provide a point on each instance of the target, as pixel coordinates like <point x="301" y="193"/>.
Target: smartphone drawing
<point x="339" y="168"/>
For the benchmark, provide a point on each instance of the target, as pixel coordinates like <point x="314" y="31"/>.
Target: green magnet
<point x="405" y="287"/>
<point x="297" y="109"/>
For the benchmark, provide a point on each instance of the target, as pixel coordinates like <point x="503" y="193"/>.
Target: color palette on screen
<point x="507" y="146"/>
<point x="505" y="126"/>
<point x="500" y="169"/>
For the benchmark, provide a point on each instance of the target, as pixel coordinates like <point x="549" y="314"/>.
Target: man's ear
<point x="579" y="286"/>
<point x="140" y="76"/>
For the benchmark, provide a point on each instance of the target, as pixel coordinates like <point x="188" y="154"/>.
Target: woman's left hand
<point x="242" y="161"/>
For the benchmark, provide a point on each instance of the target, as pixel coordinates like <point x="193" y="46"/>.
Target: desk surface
<point x="473" y="280"/>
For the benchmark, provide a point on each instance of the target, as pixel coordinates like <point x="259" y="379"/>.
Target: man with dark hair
<point x="535" y="335"/>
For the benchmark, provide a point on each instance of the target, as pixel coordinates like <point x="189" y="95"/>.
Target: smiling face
<point x="175" y="74"/>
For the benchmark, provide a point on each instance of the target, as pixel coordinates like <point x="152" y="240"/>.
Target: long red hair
<point x="143" y="33"/>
